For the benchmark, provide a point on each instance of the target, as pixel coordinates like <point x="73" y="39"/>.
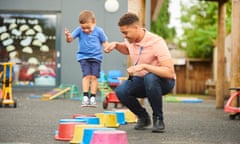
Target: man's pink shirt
<point x="154" y="51"/>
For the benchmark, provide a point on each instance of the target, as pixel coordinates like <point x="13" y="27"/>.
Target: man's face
<point x="87" y="27"/>
<point x="129" y="32"/>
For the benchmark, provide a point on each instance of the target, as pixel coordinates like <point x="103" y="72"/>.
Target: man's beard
<point x="129" y="40"/>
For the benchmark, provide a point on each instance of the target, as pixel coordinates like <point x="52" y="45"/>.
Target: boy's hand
<point x="68" y="35"/>
<point x="109" y="47"/>
<point x="66" y="32"/>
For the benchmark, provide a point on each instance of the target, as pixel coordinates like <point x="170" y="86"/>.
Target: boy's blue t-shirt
<point x="90" y="45"/>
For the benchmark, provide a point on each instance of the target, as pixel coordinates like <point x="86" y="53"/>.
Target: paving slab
<point x="35" y="121"/>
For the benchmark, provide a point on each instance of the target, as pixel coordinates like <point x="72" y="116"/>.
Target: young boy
<point x="91" y="39"/>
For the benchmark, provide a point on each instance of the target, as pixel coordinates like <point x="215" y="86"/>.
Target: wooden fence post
<point x="220" y="54"/>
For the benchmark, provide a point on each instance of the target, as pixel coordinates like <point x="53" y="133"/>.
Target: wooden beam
<point x="235" y="47"/>
<point x="220" y="54"/>
<point x="156" y="6"/>
<point x="211" y="0"/>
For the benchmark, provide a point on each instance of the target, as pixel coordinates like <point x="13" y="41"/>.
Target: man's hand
<point x="109" y="47"/>
<point x="133" y="70"/>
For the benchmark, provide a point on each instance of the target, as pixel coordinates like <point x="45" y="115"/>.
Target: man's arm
<point x="165" y="69"/>
<point x="121" y="47"/>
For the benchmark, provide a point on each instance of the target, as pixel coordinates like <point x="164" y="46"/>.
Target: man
<point x="151" y="75"/>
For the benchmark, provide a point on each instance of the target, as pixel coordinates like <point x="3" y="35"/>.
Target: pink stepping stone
<point x="109" y="137"/>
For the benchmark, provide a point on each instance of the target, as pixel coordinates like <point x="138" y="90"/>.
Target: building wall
<point x="71" y="72"/>
<point x="68" y="11"/>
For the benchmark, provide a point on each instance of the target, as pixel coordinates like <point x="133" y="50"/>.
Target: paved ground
<point x="35" y="122"/>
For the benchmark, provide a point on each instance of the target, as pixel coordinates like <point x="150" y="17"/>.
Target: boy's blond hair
<point x="86" y="16"/>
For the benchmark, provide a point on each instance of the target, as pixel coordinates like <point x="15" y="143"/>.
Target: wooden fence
<point x="192" y="77"/>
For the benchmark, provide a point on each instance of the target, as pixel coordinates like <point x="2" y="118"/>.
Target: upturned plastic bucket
<point x="83" y="115"/>
<point x="78" y="132"/>
<point x="65" y="130"/>
<point x="101" y="118"/>
<point x="109" y="137"/>
<point x="88" y="134"/>
<point x="120" y="116"/>
<point x="89" y="120"/>
<point x="72" y="120"/>
<point x="111" y="120"/>
<point x="130" y="117"/>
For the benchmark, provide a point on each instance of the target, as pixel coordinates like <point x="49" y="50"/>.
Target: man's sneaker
<point x="158" y="125"/>
<point x="85" y="101"/>
<point x="142" y="123"/>
<point x="93" y="101"/>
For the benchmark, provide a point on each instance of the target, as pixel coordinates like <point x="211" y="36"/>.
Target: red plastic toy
<point x="111" y="98"/>
<point x="231" y="109"/>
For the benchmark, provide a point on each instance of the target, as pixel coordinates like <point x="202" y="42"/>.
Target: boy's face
<point x="88" y="27"/>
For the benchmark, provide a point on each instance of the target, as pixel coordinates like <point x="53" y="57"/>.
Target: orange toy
<point x="6" y="79"/>
<point x="0" y="93"/>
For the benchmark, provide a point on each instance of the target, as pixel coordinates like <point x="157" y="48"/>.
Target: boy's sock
<point x="93" y="95"/>
<point x="85" y="94"/>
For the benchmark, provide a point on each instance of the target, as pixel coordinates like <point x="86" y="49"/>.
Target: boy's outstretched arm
<point x="121" y="47"/>
<point x="68" y="35"/>
<point x="105" y="45"/>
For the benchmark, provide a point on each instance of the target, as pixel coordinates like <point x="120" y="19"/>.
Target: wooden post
<point x="220" y="54"/>
<point x="156" y="6"/>
<point x="235" y="47"/>
<point x="188" y="89"/>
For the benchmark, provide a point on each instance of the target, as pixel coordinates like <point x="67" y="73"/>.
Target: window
<point x="30" y="40"/>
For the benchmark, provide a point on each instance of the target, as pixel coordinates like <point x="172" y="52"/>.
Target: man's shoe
<point x="158" y="125"/>
<point x="142" y="123"/>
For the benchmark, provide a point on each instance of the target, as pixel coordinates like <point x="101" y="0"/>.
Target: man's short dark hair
<point x="128" y="19"/>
